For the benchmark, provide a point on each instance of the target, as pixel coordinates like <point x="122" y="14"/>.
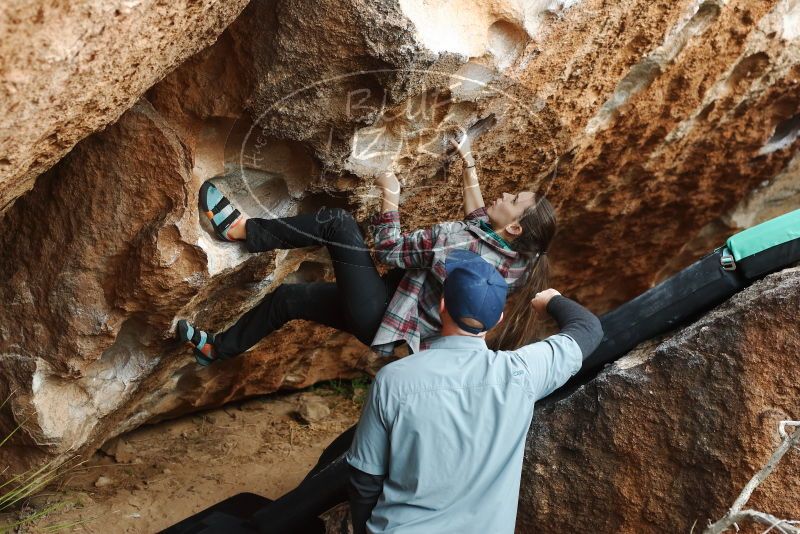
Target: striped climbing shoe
<point x="198" y="339"/>
<point x="219" y="210"/>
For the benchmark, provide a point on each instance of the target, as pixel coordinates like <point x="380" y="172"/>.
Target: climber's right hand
<point x="464" y="149"/>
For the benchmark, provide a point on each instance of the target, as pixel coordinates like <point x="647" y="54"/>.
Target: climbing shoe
<point x="198" y="339"/>
<point x="219" y="210"/>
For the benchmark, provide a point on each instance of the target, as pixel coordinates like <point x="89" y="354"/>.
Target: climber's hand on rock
<point x="464" y="149"/>
<point x="542" y="298"/>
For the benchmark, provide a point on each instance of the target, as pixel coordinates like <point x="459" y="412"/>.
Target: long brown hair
<point x="518" y="326"/>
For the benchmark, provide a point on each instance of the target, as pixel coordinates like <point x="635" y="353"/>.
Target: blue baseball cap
<point x="473" y="289"/>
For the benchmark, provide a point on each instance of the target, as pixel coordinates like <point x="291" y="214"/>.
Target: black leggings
<point x="355" y="303"/>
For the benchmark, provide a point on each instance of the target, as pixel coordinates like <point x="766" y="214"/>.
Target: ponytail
<point x="519" y="327"/>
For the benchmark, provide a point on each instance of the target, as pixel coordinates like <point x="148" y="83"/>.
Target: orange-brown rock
<point x="86" y="336"/>
<point x="68" y="69"/>
<point x="662" y="116"/>
<point x="643" y="122"/>
<point x="670" y="434"/>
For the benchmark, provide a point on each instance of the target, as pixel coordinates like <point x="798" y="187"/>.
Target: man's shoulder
<point x="404" y="368"/>
<point x="437" y="367"/>
<point x="412" y="369"/>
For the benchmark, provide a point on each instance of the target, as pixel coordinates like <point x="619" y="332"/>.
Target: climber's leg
<point x="364" y="295"/>
<point x="318" y="302"/>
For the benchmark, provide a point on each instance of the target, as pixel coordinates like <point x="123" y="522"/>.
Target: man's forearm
<point x="577" y="322"/>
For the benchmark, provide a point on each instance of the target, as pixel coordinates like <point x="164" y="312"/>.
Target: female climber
<point x="513" y="233"/>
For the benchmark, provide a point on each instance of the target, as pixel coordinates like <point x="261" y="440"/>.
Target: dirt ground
<point x="155" y="476"/>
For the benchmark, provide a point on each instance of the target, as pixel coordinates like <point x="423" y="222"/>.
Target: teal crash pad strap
<point x="765" y="235"/>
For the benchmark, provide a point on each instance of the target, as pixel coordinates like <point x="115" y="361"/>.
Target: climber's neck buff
<point x="491" y="233"/>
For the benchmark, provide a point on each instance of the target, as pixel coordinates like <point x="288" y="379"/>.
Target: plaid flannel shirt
<point x="413" y="312"/>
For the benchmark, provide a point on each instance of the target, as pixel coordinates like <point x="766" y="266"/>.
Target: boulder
<point x="87" y="338"/>
<point x="657" y="125"/>
<point x="312" y="410"/>
<point x="69" y="69"/>
<point x="668" y="436"/>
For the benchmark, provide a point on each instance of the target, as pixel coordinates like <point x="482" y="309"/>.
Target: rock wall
<point x="68" y="69"/>
<point x="645" y="123"/>
<point x="87" y="330"/>
<point x="653" y="129"/>
<point x="670" y="434"/>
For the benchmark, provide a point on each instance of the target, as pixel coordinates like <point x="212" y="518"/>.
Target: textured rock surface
<point x="662" y="118"/>
<point x="68" y="69"/>
<point x="645" y="123"/>
<point x="86" y="332"/>
<point x="660" y="115"/>
<point x="670" y="434"/>
<point x="75" y="328"/>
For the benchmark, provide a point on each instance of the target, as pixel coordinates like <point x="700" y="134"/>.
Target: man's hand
<point x="542" y="298"/>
